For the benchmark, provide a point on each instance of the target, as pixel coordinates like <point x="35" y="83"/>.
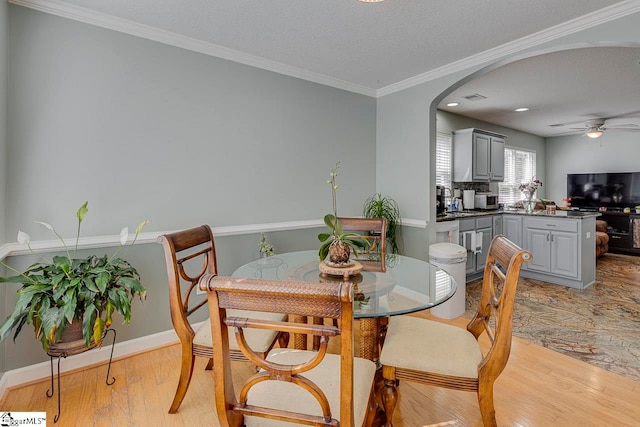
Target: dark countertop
<point x="452" y="216"/>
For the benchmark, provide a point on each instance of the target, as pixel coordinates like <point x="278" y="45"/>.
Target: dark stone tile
<point x="599" y="325"/>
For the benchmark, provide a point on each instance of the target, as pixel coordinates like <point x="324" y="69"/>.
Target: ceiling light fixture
<point x="594" y="133"/>
<point x="521" y="109"/>
<point x="453" y="104"/>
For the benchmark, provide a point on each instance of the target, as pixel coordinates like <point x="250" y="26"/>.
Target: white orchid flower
<point x="23" y="238"/>
<point x="124" y="235"/>
<point x="48" y="226"/>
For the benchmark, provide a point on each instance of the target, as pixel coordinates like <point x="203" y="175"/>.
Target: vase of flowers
<point x="528" y="190"/>
<point x="338" y="244"/>
<point x="72" y="293"/>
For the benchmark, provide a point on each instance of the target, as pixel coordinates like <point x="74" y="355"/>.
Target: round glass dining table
<point x="407" y="285"/>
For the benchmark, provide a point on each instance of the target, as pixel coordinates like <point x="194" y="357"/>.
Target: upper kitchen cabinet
<point x="478" y="155"/>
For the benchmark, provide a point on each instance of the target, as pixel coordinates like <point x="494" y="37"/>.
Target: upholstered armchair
<point x="602" y="238"/>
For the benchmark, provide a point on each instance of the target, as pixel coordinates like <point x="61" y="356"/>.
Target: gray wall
<point x="612" y="152"/>
<point x="144" y="130"/>
<point x="3" y="147"/>
<point x="152" y="315"/>
<point x="147" y="131"/>
<point x="447" y="122"/>
<point x="406" y="119"/>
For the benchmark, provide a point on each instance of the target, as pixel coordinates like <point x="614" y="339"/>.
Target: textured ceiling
<point x="567" y="87"/>
<point x="369" y="44"/>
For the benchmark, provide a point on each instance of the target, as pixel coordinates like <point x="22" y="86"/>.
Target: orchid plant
<point x="338" y="238"/>
<point x="57" y="291"/>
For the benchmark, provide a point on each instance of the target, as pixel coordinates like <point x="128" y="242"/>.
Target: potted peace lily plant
<point x="67" y="290"/>
<point x="338" y="243"/>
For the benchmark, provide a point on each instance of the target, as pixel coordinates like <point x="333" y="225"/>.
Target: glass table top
<point x="407" y="286"/>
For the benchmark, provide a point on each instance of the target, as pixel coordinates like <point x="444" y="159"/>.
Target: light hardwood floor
<point x="538" y="388"/>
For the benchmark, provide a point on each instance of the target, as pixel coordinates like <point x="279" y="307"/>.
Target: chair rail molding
<point x="13" y="249"/>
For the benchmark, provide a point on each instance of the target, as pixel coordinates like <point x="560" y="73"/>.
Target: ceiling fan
<point x="594" y="128"/>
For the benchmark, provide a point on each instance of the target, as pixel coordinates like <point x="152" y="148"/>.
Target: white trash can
<point x="451" y="258"/>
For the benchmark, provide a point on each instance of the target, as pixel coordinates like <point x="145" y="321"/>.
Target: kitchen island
<point x="563" y="245"/>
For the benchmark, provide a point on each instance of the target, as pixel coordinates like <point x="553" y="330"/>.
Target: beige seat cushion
<point x="290" y="397"/>
<point x="427" y="346"/>
<point x="259" y="340"/>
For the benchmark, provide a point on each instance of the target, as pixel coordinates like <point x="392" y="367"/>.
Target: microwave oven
<point x="486" y="201"/>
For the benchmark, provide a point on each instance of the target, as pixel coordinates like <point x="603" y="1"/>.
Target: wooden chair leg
<point x="186" y="370"/>
<point x="485" y="401"/>
<point x="389" y="393"/>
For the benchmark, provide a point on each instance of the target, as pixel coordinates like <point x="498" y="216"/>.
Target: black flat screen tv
<point x="611" y="190"/>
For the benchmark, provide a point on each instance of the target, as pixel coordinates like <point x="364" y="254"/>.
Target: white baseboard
<point x="42" y="370"/>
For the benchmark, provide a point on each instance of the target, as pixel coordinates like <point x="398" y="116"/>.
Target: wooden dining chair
<point x="442" y="355"/>
<point x="298" y="386"/>
<point x="190" y="254"/>
<point x="375" y="231"/>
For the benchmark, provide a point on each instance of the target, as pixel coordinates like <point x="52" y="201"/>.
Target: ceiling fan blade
<point x="570" y="132"/>
<point x="622" y="122"/>
<point x="622" y="129"/>
<point x="627" y="126"/>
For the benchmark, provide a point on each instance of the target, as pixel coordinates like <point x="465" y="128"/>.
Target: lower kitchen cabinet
<point x="475" y="236"/>
<point x="497" y="225"/>
<point x="553" y="252"/>
<point x="512" y="228"/>
<point x="563" y="250"/>
<point x="563" y="247"/>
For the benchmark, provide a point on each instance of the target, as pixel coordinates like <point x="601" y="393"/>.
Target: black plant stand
<point x="63" y="350"/>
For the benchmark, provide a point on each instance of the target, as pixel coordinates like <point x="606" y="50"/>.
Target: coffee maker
<point x="440" y="202"/>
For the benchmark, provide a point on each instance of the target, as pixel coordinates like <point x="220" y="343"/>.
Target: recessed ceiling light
<point x="521" y="109"/>
<point x="453" y="104"/>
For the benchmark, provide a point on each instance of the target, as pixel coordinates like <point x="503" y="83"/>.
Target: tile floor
<point x="599" y="325"/>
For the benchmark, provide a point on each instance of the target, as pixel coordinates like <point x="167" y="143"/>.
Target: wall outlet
<point x="588" y="234"/>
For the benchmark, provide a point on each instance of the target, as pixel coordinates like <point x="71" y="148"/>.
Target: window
<point x="519" y="167"/>
<point x="443" y="159"/>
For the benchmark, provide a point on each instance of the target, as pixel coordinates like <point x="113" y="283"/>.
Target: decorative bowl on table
<point x="351" y="269"/>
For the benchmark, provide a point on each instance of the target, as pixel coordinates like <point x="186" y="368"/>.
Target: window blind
<point x="443" y="159"/>
<point x="519" y="167"/>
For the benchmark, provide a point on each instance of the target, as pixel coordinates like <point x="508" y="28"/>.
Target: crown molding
<point x="76" y="13"/>
<point x="103" y="20"/>
<point x="592" y="19"/>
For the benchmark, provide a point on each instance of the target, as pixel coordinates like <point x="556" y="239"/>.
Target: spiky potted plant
<point x="379" y="206"/>
<point x="68" y="293"/>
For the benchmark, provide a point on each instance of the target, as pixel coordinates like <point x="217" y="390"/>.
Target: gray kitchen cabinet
<point x="512" y="228"/>
<point x="562" y="245"/>
<point x="475" y="236"/>
<point x="497" y="225"/>
<point x="563" y="250"/>
<point x="478" y="155"/>
<point x="553" y="251"/>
